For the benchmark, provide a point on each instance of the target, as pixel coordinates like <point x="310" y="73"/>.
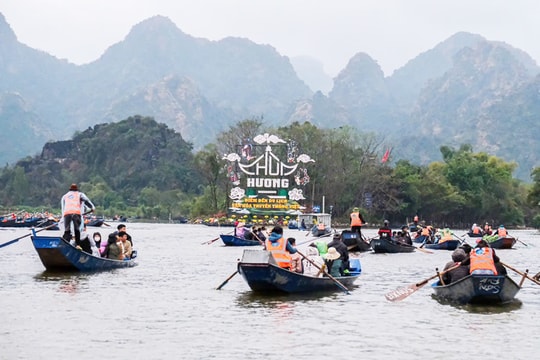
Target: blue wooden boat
<point x="447" y="245"/>
<point x="58" y="255"/>
<point x="262" y="274"/>
<point x="383" y="245"/>
<point x="478" y="289"/>
<point x="231" y="240"/>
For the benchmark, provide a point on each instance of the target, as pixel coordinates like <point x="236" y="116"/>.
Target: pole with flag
<point x="386" y="155"/>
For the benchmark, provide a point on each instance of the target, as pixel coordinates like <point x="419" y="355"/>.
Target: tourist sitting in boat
<point x="385" y="232"/>
<point x="445" y="235"/>
<point x="260" y="234"/>
<point x="321" y="246"/>
<point x="405" y="235"/>
<point x="487" y="229"/>
<point x="483" y="260"/>
<point x="113" y="249"/>
<point x="476" y="230"/>
<point x="239" y="230"/>
<point x="338" y="244"/>
<point x="319" y="229"/>
<point x="280" y="248"/>
<point x="123" y="227"/>
<point x="303" y="225"/>
<point x="500" y="233"/>
<point x="312" y="254"/>
<point x="460" y="272"/>
<point x="296" y="258"/>
<point x="333" y="262"/>
<point x="97" y="241"/>
<point x="426" y="235"/>
<point x="125" y="244"/>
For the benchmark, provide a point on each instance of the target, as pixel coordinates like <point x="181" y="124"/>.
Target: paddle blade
<point x="402" y="292"/>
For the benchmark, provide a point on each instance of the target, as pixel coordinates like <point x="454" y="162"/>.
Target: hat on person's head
<point x="501" y="226"/>
<point x="332" y="254"/>
<point x="356" y="209"/>
<point x="73" y="187"/>
<point x="458" y="255"/>
<point x="386" y="222"/>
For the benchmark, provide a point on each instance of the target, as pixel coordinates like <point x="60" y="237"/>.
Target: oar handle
<point x="520" y="273"/>
<point x="336" y="281"/>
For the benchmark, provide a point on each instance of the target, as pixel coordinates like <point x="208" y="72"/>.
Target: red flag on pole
<point x="386" y="156"/>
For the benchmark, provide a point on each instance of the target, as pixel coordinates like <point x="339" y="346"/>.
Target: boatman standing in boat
<point x="73" y="204"/>
<point x="357" y="221"/>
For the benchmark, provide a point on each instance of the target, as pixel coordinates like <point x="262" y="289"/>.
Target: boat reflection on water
<point x="482" y="308"/>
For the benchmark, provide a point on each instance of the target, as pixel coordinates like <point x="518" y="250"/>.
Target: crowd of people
<point x="321" y="258"/>
<point x="119" y="245"/>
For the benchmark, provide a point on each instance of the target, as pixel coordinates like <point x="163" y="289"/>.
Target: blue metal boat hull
<point x="447" y="245"/>
<point x="231" y="240"/>
<point x="478" y="289"/>
<point x="57" y="255"/>
<point x="262" y="274"/>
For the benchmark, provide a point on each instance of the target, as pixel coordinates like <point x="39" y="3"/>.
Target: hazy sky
<point x="390" y="31"/>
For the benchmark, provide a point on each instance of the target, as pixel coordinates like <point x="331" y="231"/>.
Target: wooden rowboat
<point x="447" y="245"/>
<point x="231" y="240"/>
<point x="478" y="289"/>
<point x="506" y="242"/>
<point x="382" y="245"/>
<point x="262" y="274"/>
<point x="58" y="255"/>
<point x="354" y="242"/>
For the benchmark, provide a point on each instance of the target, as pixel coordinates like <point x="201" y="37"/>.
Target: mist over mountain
<point x="464" y="90"/>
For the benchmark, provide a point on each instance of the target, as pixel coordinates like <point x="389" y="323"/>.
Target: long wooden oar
<point x="404" y="291"/>
<point x="227" y="280"/>
<point x="424" y="250"/>
<point x="336" y="281"/>
<point x="517" y="239"/>
<point x="215" y="239"/>
<point x="27" y="235"/>
<point x="521" y="273"/>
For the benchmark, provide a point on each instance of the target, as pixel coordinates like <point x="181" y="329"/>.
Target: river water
<point x="168" y="307"/>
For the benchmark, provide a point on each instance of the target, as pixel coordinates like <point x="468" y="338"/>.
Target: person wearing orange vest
<point x="357" y="221"/>
<point x="280" y="248"/>
<point x="501" y="231"/>
<point x="482" y="260"/>
<point x="73" y="204"/>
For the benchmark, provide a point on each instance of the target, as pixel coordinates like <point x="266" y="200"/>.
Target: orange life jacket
<point x="72" y="203"/>
<point x="279" y="252"/>
<point x="482" y="259"/>
<point x="446" y="236"/>
<point x="476" y="230"/>
<point x="502" y="232"/>
<point x="425" y="231"/>
<point x="355" y="219"/>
